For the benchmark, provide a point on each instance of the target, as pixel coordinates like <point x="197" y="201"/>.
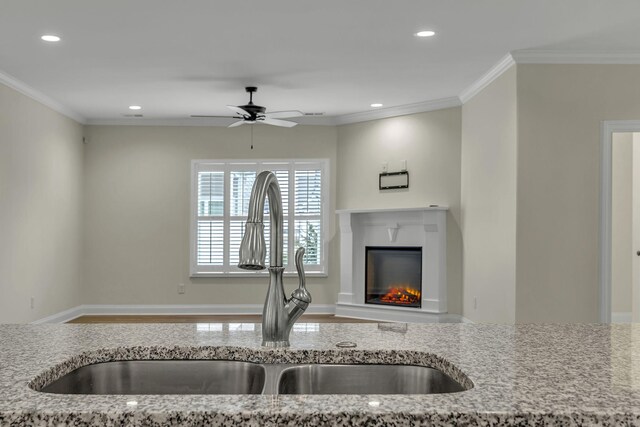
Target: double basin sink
<point x="235" y="377"/>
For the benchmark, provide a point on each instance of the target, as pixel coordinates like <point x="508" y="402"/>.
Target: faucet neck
<point x="266" y="184"/>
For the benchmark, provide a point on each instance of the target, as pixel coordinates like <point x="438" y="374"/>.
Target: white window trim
<point x="199" y="165"/>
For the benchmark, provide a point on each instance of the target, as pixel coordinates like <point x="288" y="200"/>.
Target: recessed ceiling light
<point x="135" y="107"/>
<point x="376" y="105"/>
<point x="50" y="38"/>
<point x="425" y="33"/>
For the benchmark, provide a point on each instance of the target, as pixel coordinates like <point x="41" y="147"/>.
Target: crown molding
<point x="400" y="110"/>
<point x="496" y="71"/>
<point x="13" y="83"/>
<point x="533" y="56"/>
<point x="141" y="121"/>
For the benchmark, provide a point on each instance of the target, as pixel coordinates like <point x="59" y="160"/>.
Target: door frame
<point x="607" y="129"/>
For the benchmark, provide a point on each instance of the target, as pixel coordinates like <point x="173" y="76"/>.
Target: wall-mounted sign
<point x="393" y="180"/>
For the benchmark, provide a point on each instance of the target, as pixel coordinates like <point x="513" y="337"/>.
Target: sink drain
<point x="346" y="344"/>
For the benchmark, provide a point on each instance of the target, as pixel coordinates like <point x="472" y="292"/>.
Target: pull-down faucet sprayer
<point x="279" y="313"/>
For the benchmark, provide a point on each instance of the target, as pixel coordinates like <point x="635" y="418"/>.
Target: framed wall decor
<point x="394" y="180"/>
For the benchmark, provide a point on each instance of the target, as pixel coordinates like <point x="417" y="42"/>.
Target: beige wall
<point x="621" y="214"/>
<point x="430" y="143"/>
<point x="489" y="148"/>
<point x="560" y="108"/>
<point x="40" y="209"/>
<point x="137" y="192"/>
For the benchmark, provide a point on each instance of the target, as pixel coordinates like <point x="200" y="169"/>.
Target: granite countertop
<point x="525" y="374"/>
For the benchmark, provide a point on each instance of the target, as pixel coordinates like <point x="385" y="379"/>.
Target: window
<point x="220" y="202"/>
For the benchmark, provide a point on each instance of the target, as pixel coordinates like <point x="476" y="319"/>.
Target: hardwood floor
<point x="309" y="318"/>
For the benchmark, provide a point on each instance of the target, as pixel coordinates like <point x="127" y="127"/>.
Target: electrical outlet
<point x="32" y="303"/>
<point x="181" y="288"/>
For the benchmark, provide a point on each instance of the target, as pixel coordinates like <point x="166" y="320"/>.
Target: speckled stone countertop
<point x="521" y="375"/>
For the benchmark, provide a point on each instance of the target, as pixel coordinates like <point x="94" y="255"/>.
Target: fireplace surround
<point x="423" y="230"/>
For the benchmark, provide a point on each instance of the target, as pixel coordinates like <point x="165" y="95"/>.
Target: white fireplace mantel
<point x="417" y="227"/>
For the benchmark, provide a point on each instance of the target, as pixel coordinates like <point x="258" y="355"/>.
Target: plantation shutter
<point x="241" y="183"/>
<point x="308" y="214"/>
<point x="210" y="218"/>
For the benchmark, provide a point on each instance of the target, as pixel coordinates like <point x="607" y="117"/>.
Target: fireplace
<point x="393" y="276"/>
<point x="372" y="238"/>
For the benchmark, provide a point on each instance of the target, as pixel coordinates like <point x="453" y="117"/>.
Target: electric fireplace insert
<point x="393" y="276"/>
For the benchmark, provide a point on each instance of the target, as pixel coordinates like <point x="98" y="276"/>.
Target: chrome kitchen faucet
<point x="279" y="313"/>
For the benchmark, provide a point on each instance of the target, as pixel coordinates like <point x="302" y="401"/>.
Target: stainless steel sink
<point x="162" y="377"/>
<point x="234" y="377"/>
<point x="365" y="379"/>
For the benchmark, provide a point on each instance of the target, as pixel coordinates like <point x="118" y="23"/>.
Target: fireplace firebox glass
<point x="393" y="276"/>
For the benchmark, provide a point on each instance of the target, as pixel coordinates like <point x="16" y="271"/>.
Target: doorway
<point x="620" y="222"/>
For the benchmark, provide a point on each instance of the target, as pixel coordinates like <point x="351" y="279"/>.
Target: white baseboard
<point x="621" y="317"/>
<point x="61" y="317"/>
<point x="168" y="309"/>
<point x="465" y="320"/>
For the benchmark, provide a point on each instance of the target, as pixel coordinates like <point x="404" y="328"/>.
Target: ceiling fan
<point x="252" y="113"/>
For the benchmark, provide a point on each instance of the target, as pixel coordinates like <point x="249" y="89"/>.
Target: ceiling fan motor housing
<point x="251" y="108"/>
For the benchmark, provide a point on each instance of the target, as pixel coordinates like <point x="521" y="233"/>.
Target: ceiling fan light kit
<point x="252" y="113"/>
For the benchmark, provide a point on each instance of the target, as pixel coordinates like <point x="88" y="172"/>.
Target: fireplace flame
<point x="401" y="294"/>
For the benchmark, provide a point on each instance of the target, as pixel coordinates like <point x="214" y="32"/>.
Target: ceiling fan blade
<point x="238" y="110"/>
<point x="234" y="124"/>
<point x="276" y="122"/>
<point x="284" y="114"/>
<point x="217" y="117"/>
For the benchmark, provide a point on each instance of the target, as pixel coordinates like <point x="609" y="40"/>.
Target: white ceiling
<point x="177" y="58"/>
